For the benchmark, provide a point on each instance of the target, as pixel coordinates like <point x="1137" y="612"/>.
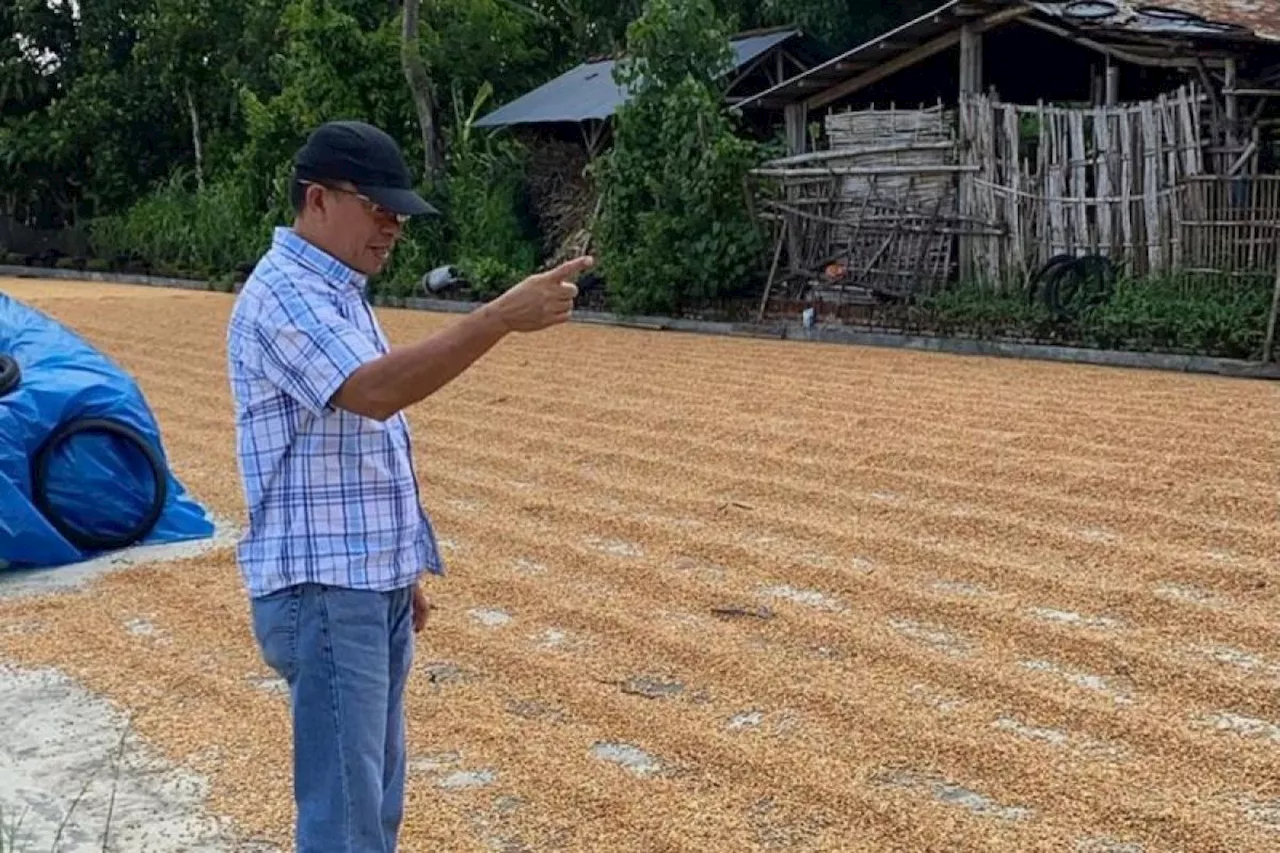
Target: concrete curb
<point x="103" y="277"/>
<point x="787" y="330"/>
<point x="795" y="331"/>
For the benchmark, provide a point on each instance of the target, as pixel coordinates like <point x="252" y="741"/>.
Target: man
<point x="337" y="540"/>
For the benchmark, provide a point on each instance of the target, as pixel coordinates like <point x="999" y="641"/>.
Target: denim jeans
<point x="346" y="655"/>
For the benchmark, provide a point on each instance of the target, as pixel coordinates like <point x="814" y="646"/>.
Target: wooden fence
<point x="874" y="212"/>
<point x="1054" y="180"/>
<point x="903" y="200"/>
<point x="1229" y="226"/>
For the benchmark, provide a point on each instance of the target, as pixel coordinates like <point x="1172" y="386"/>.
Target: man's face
<point x="357" y="231"/>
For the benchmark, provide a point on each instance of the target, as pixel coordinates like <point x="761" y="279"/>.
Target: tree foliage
<point x="165" y="128"/>
<point x="675" y="227"/>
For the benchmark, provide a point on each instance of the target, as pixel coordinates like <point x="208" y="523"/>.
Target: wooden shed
<point x="987" y="137"/>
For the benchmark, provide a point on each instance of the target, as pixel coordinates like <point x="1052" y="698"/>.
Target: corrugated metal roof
<point x="589" y="92"/>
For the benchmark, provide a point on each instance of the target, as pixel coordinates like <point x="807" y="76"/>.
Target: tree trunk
<point x="415" y="72"/>
<point x="195" y="138"/>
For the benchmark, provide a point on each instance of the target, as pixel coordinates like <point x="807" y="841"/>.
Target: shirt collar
<point x="317" y="260"/>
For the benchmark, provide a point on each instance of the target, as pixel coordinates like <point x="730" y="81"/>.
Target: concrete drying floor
<point x="725" y="595"/>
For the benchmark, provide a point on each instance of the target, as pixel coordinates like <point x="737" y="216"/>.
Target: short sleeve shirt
<point x="332" y="496"/>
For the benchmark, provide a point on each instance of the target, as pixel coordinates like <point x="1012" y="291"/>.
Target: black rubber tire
<point x="1061" y="286"/>
<point x="1038" y="292"/>
<point x="1099" y="278"/>
<point x="87" y="540"/>
<point x="10" y="374"/>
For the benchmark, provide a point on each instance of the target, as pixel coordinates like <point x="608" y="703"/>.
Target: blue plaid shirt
<point x="332" y="496"/>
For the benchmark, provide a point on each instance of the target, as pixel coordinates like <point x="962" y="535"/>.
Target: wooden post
<point x="1232" y="102"/>
<point x="1268" y="348"/>
<point x="797" y="119"/>
<point x="970" y="60"/>
<point x="970" y="85"/>
<point x="773" y="269"/>
<point x="1113" y="84"/>
<point x="796" y="116"/>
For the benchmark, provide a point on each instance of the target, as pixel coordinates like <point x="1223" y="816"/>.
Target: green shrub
<point x="97" y="265"/>
<point x="1186" y="316"/>
<point x="676" y="228"/>
<point x="494" y="241"/>
<point x="488" y="277"/>
<point x="184" y="231"/>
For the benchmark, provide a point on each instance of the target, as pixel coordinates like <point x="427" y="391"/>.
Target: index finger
<point x="568" y="269"/>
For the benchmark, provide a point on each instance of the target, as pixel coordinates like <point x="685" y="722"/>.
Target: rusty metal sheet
<point x="1260" y="16"/>
<point x="1197" y="18"/>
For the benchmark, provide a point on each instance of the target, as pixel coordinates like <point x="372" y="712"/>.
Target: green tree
<point x="676" y="227"/>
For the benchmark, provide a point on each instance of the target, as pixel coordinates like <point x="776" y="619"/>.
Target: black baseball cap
<point x="367" y="157"/>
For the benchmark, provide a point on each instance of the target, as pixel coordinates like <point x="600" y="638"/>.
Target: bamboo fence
<point x="877" y="212"/>
<point x="1056" y="180"/>
<point x="904" y="197"/>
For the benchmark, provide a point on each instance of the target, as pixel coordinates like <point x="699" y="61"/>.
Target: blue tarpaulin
<point x="96" y="482"/>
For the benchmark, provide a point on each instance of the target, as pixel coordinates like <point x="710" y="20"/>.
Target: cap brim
<point x="402" y="201"/>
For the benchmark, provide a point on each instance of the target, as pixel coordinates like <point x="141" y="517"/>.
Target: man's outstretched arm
<point x="409" y="374"/>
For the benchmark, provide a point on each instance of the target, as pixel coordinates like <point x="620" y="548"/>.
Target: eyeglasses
<point x="373" y="207"/>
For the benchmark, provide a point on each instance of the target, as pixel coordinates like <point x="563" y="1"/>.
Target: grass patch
<point x="186" y="233"/>
<point x="1183" y="316"/>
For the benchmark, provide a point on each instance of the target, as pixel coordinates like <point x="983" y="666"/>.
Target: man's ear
<point x="315" y="198"/>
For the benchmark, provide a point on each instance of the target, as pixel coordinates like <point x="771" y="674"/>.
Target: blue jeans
<point x="345" y="655"/>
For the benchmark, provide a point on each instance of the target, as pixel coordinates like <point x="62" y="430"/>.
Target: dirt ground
<point x="721" y="595"/>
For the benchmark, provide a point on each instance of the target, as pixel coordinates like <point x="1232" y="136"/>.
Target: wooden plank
<point x="1036" y="185"/>
<point x="970" y="60"/>
<point x="969" y="107"/>
<point x="1232" y="103"/>
<point x="1013" y="203"/>
<point x="1150" y="183"/>
<point x="1268" y="348"/>
<point x="1118" y="53"/>
<point x="795" y="116"/>
<point x="864" y="171"/>
<point x="850" y="152"/>
<point x="1079" y="181"/>
<point x="1166" y="114"/>
<point x="773" y="269"/>
<point x="1061" y="241"/>
<point x="986" y="197"/>
<point x="1127" y="169"/>
<point x="1102" y="145"/>
<point x="1189" y="120"/>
